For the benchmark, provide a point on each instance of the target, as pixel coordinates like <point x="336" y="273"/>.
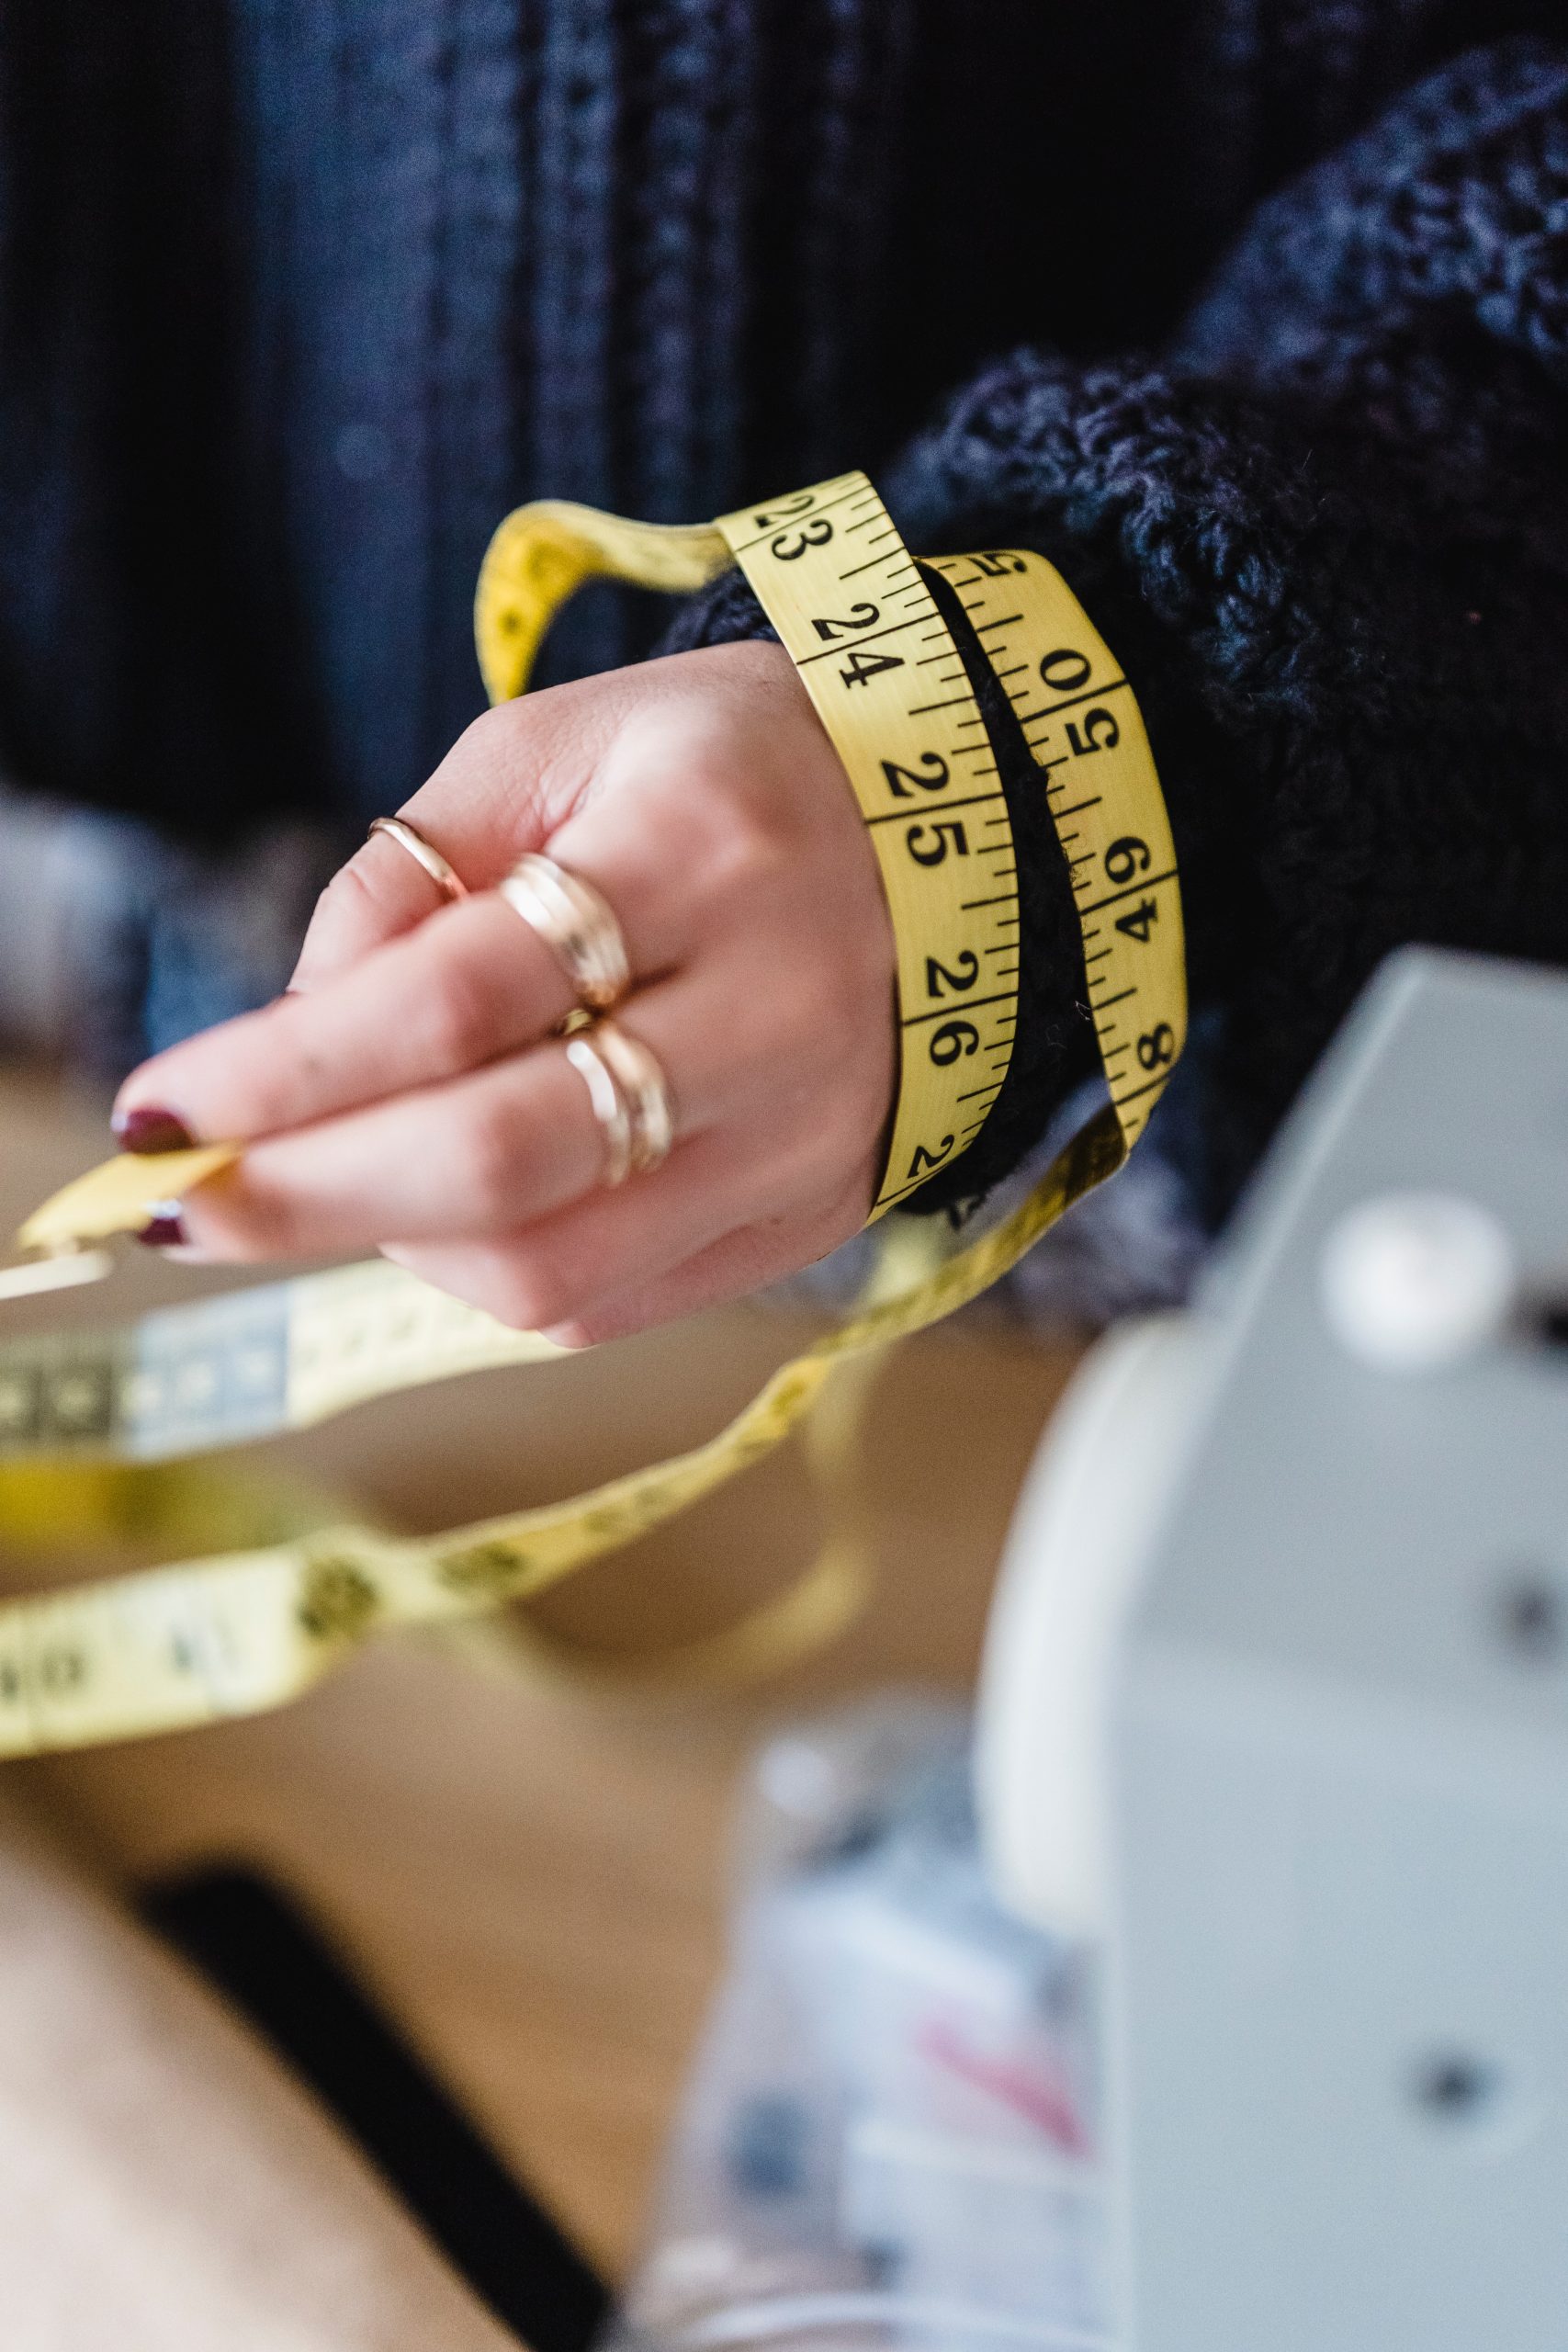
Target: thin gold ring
<point x="609" y="1107"/>
<point x="397" y="829"/>
<point x="575" y="925"/>
<point x="642" y="1083"/>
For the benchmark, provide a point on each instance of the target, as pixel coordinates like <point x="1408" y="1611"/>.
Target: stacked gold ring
<point x="629" y="1097"/>
<point x="642" y="1086"/>
<point x="575" y="924"/>
<point x="626" y="1088"/>
<point x="610" y="1107"/>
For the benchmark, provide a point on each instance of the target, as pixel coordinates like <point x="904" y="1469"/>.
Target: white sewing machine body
<point x="1278" y="1695"/>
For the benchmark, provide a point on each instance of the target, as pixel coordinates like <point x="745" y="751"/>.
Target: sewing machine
<point x="1276" y="1696"/>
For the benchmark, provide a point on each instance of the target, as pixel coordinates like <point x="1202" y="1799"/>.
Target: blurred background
<point x="534" y="1876"/>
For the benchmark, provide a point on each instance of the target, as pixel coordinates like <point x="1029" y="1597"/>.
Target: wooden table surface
<point x="531" y="1875"/>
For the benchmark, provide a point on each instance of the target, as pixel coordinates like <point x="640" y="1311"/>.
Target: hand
<point x="410" y="1094"/>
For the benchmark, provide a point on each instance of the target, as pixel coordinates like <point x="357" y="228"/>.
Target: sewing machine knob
<point x="1411" y="1282"/>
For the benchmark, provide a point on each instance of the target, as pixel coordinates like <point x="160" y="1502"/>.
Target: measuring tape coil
<point x="890" y="686"/>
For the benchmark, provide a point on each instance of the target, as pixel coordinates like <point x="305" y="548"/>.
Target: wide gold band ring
<point x="575" y="925"/>
<point x="644" y="1091"/>
<point x="425" y="853"/>
<point x="609" y="1104"/>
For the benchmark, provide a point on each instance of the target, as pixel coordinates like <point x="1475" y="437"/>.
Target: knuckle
<point x="349" y="914"/>
<point x="707" y="805"/>
<point x="745" y="851"/>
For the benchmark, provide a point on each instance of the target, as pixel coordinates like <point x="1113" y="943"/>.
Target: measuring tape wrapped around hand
<point x="167" y="1648"/>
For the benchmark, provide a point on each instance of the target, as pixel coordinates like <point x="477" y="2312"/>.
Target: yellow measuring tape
<point x="881" y="666"/>
<point x="172" y="1647"/>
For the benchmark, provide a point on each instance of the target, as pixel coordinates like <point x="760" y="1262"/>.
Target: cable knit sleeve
<point x="1326" y="532"/>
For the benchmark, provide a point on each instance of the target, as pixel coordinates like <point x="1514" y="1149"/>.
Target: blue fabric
<point x="1326" y="531"/>
<point x="298" y="296"/>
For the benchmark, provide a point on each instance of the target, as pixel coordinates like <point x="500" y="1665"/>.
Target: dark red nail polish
<point x="148" y="1129"/>
<point x="165" y="1232"/>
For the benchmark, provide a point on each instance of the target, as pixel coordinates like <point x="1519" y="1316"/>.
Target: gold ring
<point x="397" y="829"/>
<point x="642" y="1083"/>
<point x="575" y="925"/>
<point x="609" y="1107"/>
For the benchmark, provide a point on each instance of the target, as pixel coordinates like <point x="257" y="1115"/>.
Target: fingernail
<point x="146" y="1129"/>
<point x="165" y="1232"/>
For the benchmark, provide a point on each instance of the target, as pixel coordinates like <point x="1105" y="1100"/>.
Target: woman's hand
<point x="410" y="1093"/>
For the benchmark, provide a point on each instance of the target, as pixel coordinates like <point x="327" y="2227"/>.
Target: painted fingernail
<point x="165" y="1232"/>
<point x="148" y="1129"/>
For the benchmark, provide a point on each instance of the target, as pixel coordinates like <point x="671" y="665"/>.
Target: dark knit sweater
<point x="1328" y="537"/>
<point x="297" y="296"/>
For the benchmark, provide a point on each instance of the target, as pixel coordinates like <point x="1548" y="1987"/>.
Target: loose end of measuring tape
<point x="65" y="1271"/>
<point x="119" y="1196"/>
<point x="542" y="553"/>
